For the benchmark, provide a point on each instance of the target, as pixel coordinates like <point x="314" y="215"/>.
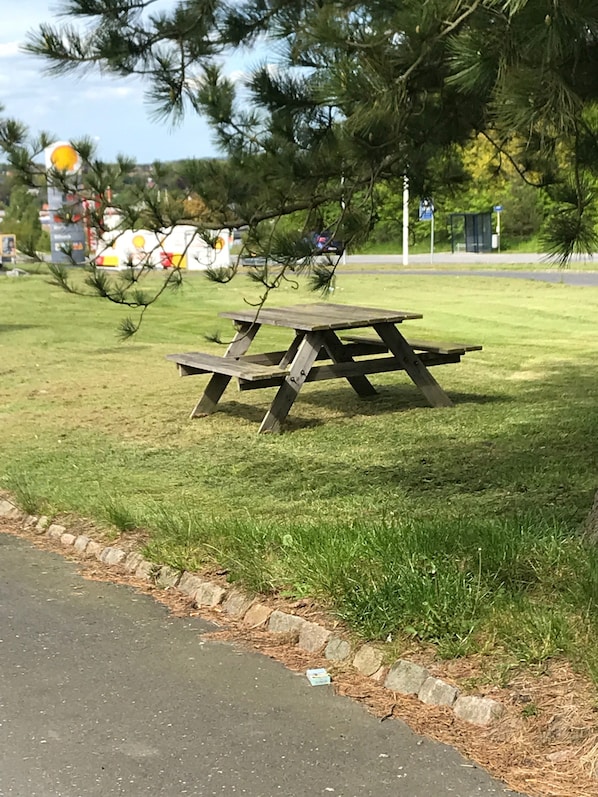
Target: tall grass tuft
<point x="26" y="492"/>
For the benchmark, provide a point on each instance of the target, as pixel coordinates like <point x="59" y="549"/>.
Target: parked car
<point x="326" y="244"/>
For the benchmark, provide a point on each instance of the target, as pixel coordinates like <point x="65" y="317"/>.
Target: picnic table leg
<point x="413" y="365"/>
<point x="218" y="383"/>
<point x="307" y="352"/>
<point x="293" y="349"/>
<point x="338" y="354"/>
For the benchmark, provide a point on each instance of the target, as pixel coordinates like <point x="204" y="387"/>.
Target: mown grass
<point x="455" y="527"/>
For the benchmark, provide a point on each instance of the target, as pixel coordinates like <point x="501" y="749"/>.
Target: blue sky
<point x="111" y="111"/>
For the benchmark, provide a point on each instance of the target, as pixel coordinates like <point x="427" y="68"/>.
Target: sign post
<point x="498" y="210"/>
<point x="426" y="213"/>
<point x="67" y="233"/>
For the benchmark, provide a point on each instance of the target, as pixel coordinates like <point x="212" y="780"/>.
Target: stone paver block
<point x="113" y="556"/>
<point x="380" y="674"/>
<point x="237" y="603"/>
<point x="209" y="594"/>
<point x="145" y="570"/>
<point x="437" y="692"/>
<point x="94" y="549"/>
<point x="55" y="531"/>
<point x="283" y="623"/>
<point x="406" y="677"/>
<point x="168" y="577"/>
<point x="368" y="660"/>
<point x="10" y="511"/>
<point x="68" y="539"/>
<point x="313" y="637"/>
<point x="478" y="710"/>
<point x="81" y="543"/>
<point x="337" y="649"/>
<point x="257" y="614"/>
<point x="42" y="524"/>
<point x="189" y="584"/>
<point x="132" y="562"/>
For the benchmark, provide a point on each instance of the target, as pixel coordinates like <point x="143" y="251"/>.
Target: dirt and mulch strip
<point x="544" y="745"/>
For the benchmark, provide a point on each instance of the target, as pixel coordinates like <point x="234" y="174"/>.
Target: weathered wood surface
<point x="307" y="352"/>
<point x="339" y="353"/>
<point x="201" y="363"/>
<point x="243" y="338"/>
<point x="438" y="347"/>
<point x="413" y="364"/>
<point x="380" y="365"/>
<point x="315" y="327"/>
<point x="352" y="349"/>
<point x="321" y="316"/>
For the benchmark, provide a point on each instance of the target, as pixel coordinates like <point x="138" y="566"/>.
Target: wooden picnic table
<point x="316" y="327"/>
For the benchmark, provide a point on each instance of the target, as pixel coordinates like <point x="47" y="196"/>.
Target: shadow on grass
<point x="255" y="414"/>
<point x="18" y="327"/>
<point x="538" y="455"/>
<point x="389" y="399"/>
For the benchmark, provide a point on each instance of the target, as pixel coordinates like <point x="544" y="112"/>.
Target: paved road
<point x="103" y="693"/>
<point x="494" y="259"/>
<point x="370" y="265"/>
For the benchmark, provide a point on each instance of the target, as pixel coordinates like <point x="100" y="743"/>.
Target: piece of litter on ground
<point x="318" y="676"/>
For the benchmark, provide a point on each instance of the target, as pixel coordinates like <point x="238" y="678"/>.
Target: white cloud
<point x="71" y="106"/>
<point x="9" y="49"/>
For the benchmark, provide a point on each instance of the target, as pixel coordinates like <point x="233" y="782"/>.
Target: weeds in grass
<point x="119" y="514"/>
<point x="27" y="494"/>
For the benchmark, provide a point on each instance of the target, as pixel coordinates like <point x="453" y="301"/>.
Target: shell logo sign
<point x="138" y="241"/>
<point x="67" y="233"/>
<point x="62" y="156"/>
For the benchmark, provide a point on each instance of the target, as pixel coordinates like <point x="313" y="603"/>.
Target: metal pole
<point x="405" y="220"/>
<point x="498" y="230"/>
<point x="432" y="239"/>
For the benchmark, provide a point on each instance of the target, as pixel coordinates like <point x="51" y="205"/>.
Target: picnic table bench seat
<point x="195" y="362"/>
<point x="435" y="347"/>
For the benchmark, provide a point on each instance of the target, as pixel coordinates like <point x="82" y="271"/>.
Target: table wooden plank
<point x="378" y="365"/>
<point x="201" y="362"/>
<point x="321" y="316"/>
<point x="440" y="347"/>
<point x="308" y="350"/>
<point x="340" y="354"/>
<point x="413" y="364"/>
<point x="355" y="311"/>
<point x="218" y="382"/>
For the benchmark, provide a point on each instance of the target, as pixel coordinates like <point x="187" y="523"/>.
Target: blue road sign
<point x="426" y="210"/>
<point x="498" y="208"/>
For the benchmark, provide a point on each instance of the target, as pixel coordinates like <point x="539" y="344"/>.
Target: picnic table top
<point x="320" y="316"/>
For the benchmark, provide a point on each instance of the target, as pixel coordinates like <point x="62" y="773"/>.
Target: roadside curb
<point x="402" y="677"/>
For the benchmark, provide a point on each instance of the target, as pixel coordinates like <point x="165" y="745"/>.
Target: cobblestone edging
<point x="404" y="677"/>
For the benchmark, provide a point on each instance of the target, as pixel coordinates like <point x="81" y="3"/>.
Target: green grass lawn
<point x="455" y="526"/>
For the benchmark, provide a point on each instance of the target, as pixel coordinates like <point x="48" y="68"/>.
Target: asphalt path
<point x="103" y="692"/>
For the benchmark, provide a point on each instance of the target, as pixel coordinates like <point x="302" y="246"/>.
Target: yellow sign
<point x="62" y="156"/>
